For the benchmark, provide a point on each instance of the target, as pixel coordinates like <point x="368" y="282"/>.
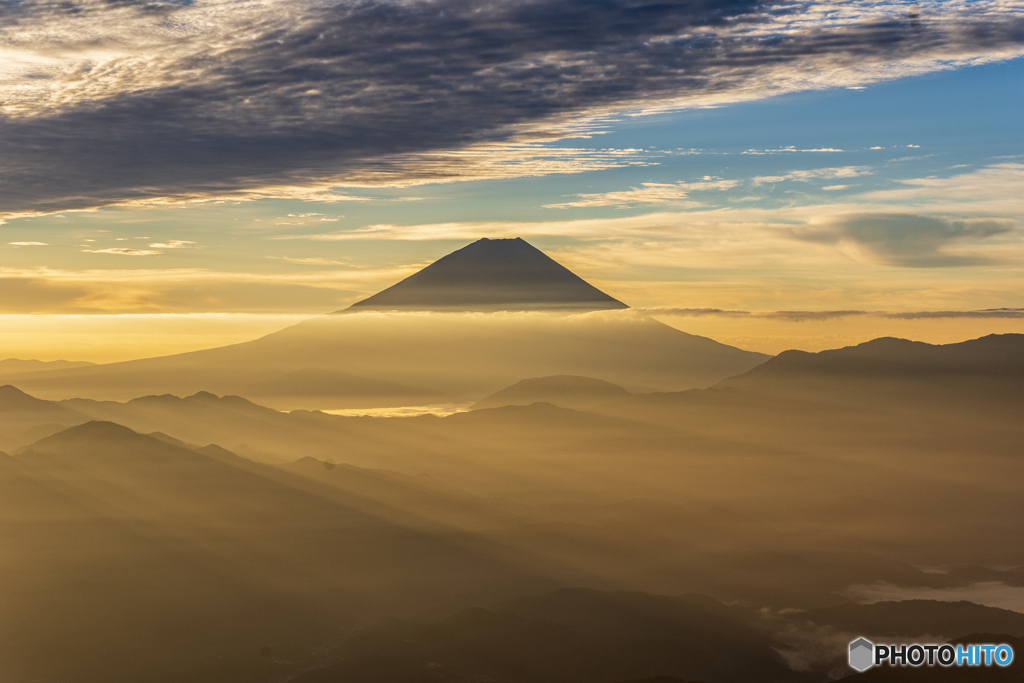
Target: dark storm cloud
<point x="303" y="94"/>
<point x="906" y="240"/>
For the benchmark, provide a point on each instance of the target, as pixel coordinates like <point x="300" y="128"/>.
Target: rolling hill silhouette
<point x="148" y="561"/>
<point x="138" y="552"/>
<point x="912" y="618"/>
<point x="479" y="319"/>
<point x="570" y="636"/>
<point x="15" y="404"/>
<point x="14" y="366"/>
<point x="987" y="370"/>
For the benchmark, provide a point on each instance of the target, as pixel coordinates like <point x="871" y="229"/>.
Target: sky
<point x="180" y="175"/>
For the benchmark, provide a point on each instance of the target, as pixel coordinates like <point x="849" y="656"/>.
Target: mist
<point x="606" y="499"/>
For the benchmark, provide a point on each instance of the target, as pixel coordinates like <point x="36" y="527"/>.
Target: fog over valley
<point x="719" y="515"/>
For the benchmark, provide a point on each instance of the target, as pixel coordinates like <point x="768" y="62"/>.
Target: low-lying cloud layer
<point x="118" y="102"/>
<point x="807" y="316"/>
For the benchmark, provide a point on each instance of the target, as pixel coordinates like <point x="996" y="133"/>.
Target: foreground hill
<point x="915" y="618"/>
<point x="819" y="466"/>
<point x="142" y="553"/>
<point x="148" y="561"/>
<point x="571" y="636"/>
<point x="19" y="410"/>
<point x="597" y="636"/>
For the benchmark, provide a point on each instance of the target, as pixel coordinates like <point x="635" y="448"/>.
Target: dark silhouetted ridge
<point x="505" y="274"/>
<point x="97" y="433"/>
<point x="13" y="398"/>
<point x="981" y="372"/>
<point x="999" y="356"/>
<point x="908" y="618"/>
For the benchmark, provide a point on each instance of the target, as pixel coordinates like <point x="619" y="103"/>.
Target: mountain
<point x="13" y="366"/>
<point x="568" y="391"/>
<point x="14" y="401"/>
<point x="988" y="369"/>
<point x="477" y="320"/>
<point x="503" y="274"/>
<point x="916" y="618"/>
<point x="570" y="636"/>
<point x="24" y="418"/>
<point x="423" y="496"/>
<point x="148" y="561"/>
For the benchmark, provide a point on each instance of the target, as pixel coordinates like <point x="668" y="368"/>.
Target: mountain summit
<point x="547" y="327"/>
<point x="505" y="274"/>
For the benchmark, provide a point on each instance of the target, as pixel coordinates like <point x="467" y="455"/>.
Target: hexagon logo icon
<point x="862" y="654"/>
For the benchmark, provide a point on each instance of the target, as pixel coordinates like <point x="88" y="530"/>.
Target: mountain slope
<point x="479" y="319"/>
<point x="370" y="359"/>
<point x="554" y="639"/>
<point x="915" y="618"/>
<point x="989" y="369"/>
<point x="148" y="561"/>
<point x="14" y="366"/>
<point x="24" y="418"/>
<point x="501" y="274"/>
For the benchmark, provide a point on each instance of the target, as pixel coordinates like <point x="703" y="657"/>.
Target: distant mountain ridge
<point x="1001" y="354"/>
<point x="14" y="366"/>
<point x="492" y="274"/>
<point x="991" y="367"/>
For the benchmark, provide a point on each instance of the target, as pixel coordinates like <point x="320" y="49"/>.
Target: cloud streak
<point x="124" y="251"/>
<point x="118" y="102"/>
<point x="818" y="316"/>
<point x="815" y="174"/>
<point x="674" y="194"/>
<point x="189" y="290"/>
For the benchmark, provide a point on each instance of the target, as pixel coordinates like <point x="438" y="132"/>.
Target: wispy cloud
<point x="806" y="316"/>
<point x="996" y="187"/>
<point x="28" y="244"/>
<point x="123" y="251"/>
<point x="133" y="103"/>
<point x="188" y="290"/>
<point x="674" y="194"/>
<point x="791" y="150"/>
<point x="815" y="174"/>
<point x="310" y="261"/>
<point x="172" y="244"/>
